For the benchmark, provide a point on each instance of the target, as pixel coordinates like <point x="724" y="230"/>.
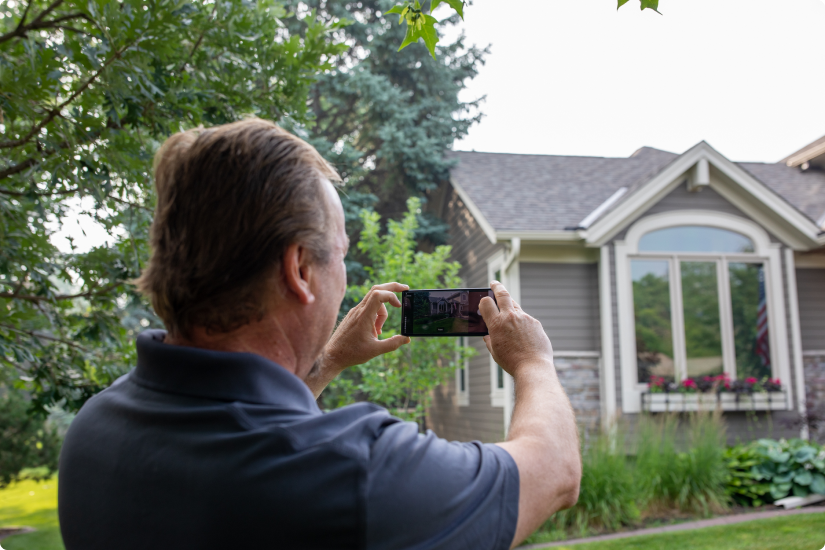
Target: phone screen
<point x="443" y="312"/>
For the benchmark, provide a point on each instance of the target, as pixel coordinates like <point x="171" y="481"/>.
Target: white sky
<point x="576" y="77"/>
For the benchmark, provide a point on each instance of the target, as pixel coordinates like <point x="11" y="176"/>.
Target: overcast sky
<point x="576" y="77"/>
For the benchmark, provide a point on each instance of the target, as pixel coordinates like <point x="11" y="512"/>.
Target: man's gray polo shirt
<point x="212" y="450"/>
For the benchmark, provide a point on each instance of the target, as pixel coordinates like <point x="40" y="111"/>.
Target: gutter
<point x="515" y="251"/>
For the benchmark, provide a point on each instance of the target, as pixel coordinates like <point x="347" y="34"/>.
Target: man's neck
<point x="266" y="338"/>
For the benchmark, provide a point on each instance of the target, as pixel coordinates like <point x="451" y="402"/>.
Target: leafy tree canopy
<point x="401" y="381"/>
<point x="88" y="90"/>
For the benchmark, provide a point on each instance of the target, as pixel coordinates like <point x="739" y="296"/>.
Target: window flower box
<point x="726" y="401"/>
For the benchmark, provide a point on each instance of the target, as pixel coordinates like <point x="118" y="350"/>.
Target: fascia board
<point x="603" y="230"/>
<point x="474" y="210"/>
<point x="764" y="194"/>
<point x="547" y="236"/>
<point x="637" y="203"/>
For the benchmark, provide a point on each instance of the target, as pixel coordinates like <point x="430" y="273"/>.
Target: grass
<point x="801" y="532"/>
<point x="31" y="504"/>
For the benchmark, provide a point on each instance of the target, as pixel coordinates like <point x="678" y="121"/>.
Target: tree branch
<point x="59" y="297"/>
<point x="23" y="29"/>
<point x="39" y="194"/>
<point x="34" y="334"/>
<point x="54" y="112"/>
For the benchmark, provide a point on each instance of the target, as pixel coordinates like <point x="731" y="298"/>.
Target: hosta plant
<point x="767" y="470"/>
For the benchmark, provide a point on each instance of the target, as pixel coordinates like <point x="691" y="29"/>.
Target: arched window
<point x="696" y="298"/>
<point x="695" y="238"/>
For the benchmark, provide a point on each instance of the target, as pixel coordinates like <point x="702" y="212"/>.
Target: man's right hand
<point x="516" y="339"/>
<point x="543" y="438"/>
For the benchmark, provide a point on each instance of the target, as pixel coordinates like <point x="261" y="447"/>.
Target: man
<point x="215" y="439"/>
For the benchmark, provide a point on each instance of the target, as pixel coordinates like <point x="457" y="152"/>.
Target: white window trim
<point x="497" y="395"/>
<point x="765" y="252"/>
<point x="463" y="397"/>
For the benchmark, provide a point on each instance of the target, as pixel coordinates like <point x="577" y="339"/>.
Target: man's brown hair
<point x="230" y="200"/>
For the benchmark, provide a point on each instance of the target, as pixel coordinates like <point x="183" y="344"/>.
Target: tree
<point x="385" y="119"/>
<point x="88" y="90"/>
<point x="401" y="381"/>
<point x="25" y="441"/>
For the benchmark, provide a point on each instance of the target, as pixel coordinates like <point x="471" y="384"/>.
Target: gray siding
<point x="565" y="298"/>
<point x="811" y="292"/>
<point x="682" y="199"/>
<point x="479" y="420"/>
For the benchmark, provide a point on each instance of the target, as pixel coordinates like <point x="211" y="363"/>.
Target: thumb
<point x="391" y="344"/>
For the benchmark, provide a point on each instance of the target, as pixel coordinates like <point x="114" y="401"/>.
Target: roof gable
<point x="551" y="197"/>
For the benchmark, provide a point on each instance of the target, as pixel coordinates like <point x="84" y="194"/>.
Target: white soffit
<point x="789" y="224"/>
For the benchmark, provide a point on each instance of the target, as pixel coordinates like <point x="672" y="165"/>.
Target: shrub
<point x="767" y="470"/>
<point x="26" y="441"/>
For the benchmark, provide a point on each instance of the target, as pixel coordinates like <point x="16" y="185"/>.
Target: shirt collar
<point x="220" y="375"/>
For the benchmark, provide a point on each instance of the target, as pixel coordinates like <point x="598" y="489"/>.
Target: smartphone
<point x="443" y="312"/>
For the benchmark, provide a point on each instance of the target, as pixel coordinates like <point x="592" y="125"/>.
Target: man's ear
<point x="298" y="273"/>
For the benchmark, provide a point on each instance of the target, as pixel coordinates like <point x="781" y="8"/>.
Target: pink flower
<point x="751" y="380"/>
<point x="689" y="383"/>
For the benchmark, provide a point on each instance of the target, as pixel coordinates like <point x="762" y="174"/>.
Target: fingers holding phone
<point x="516" y="339"/>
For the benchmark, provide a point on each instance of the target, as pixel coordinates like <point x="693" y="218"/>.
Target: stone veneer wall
<point x="815" y="388"/>
<point x="580" y="378"/>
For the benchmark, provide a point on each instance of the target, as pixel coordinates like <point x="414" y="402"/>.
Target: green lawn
<point x="802" y="532"/>
<point x="34" y="504"/>
<point x="31" y="504"/>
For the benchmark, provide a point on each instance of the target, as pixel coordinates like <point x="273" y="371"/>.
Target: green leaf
<point x="818" y="484"/>
<point x="652" y="4"/>
<point x="412" y="36"/>
<point x="457" y="5"/>
<point x="805" y="454"/>
<point x="398" y="8"/>
<point x="429" y="34"/>
<point x="803" y="477"/>
<point x="622" y="3"/>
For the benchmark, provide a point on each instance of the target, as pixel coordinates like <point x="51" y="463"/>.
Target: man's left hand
<point x="356" y="341"/>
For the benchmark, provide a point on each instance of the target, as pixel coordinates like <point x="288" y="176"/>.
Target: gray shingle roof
<point x="551" y="193"/>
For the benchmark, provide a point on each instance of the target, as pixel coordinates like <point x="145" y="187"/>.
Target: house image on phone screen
<point x="658" y="268"/>
<point x="453" y="304"/>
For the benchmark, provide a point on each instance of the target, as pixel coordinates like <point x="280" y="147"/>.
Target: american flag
<point x="762" y="346"/>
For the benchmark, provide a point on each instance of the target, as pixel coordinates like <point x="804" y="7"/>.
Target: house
<point x="657" y="265"/>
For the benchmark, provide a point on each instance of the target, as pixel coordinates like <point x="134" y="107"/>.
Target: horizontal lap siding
<point x="565" y="298"/>
<point x="811" y="291"/>
<point x="479" y="420"/>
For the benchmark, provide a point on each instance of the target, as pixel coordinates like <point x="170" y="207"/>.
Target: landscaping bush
<point x="26" y="441"/>
<point x="767" y="470"/>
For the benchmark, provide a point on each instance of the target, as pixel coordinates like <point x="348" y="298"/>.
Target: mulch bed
<point x="9" y="531"/>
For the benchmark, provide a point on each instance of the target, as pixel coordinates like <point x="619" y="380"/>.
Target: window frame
<point x="463" y="397"/>
<point x="495" y="264"/>
<point x="765" y="252"/>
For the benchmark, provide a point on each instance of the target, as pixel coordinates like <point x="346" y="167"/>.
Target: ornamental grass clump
<point x="691" y="480"/>
<point x="607" y="497"/>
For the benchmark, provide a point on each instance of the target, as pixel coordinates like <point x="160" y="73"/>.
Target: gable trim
<point x="476" y="213"/>
<point x="802" y="233"/>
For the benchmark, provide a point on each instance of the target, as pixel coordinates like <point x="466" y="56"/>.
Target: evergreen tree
<point x="385" y="118"/>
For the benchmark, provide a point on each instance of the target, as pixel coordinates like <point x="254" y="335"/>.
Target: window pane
<point x="651" y="305"/>
<point x="703" y="336"/>
<point x="691" y="238"/>
<point x="750" y="320"/>
<point x="499" y="377"/>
